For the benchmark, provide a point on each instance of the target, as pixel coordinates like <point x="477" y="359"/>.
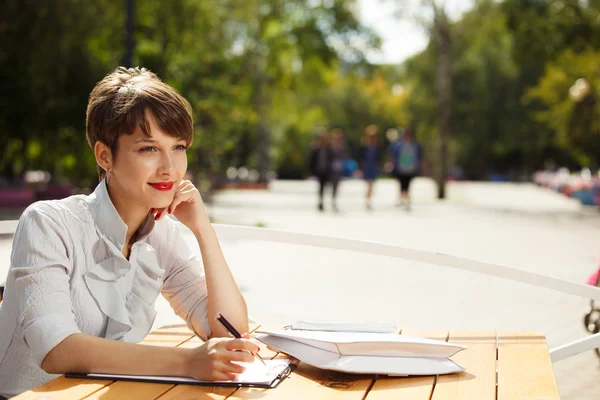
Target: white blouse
<point x="68" y="275"/>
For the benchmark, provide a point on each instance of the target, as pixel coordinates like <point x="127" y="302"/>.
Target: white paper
<point x="255" y="373"/>
<point x="379" y="327"/>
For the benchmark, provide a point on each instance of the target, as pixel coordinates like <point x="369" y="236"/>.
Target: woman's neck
<point x="132" y="215"/>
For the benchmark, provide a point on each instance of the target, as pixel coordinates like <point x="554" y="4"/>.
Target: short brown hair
<point x="119" y="102"/>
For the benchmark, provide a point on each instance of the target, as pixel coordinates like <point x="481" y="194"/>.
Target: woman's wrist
<point x="184" y="361"/>
<point x="202" y="227"/>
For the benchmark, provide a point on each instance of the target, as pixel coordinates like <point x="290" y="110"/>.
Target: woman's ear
<point x="103" y="156"/>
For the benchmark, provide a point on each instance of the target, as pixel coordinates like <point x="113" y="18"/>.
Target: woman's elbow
<point x="59" y="359"/>
<point x="50" y="364"/>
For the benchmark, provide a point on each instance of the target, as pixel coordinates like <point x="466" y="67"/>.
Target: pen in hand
<point x="234" y="332"/>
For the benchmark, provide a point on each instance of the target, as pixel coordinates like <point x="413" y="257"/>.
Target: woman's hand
<point x="214" y="359"/>
<point x="187" y="206"/>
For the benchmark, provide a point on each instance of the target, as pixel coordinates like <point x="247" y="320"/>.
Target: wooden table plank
<point x="413" y="388"/>
<point x="187" y="392"/>
<point x="137" y="390"/>
<point x="63" y="388"/>
<point x="478" y="382"/>
<point x="524" y="367"/>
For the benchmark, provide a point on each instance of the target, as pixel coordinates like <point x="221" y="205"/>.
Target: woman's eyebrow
<point x="147" y="140"/>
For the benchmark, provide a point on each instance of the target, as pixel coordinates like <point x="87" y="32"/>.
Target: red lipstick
<point x="162" y="186"/>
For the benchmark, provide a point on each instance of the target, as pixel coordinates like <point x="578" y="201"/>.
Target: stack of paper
<point x="365" y="352"/>
<point x="378" y="327"/>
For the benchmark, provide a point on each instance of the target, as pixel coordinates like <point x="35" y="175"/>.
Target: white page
<point x="378" y="327"/>
<point x="255" y="372"/>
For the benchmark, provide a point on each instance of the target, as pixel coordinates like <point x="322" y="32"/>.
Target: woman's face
<point x="147" y="170"/>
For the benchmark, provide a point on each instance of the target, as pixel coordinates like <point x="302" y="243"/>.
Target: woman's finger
<point x="241" y="344"/>
<point x="161" y="213"/>
<point x="156" y="213"/>
<point x="223" y="376"/>
<point x="239" y="356"/>
<point x="229" y="367"/>
<point x="178" y="199"/>
<point x="181" y="198"/>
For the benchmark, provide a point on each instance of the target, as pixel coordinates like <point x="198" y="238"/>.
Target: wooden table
<point x="499" y="365"/>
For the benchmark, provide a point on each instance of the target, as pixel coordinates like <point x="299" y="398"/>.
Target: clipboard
<point x="186" y="381"/>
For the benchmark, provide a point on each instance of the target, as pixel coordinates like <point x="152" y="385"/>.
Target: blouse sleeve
<point x="185" y="284"/>
<point x="41" y="268"/>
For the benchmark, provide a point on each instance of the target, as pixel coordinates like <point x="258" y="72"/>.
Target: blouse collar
<point x="108" y="220"/>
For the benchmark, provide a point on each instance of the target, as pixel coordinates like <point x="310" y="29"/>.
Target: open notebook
<point x="255" y="375"/>
<point x="365" y="352"/>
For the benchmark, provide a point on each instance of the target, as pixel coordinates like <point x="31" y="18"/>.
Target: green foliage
<point x="266" y="74"/>
<point x="576" y="122"/>
<point x="502" y="120"/>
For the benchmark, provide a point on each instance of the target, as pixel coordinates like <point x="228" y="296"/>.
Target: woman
<point x="407" y="158"/>
<point x="86" y="270"/>
<point x="321" y="163"/>
<point x="369" y="159"/>
<point x="340" y="155"/>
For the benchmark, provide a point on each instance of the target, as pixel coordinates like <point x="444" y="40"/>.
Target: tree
<point x="253" y="72"/>
<point x="438" y="27"/>
<point x="575" y="119"/>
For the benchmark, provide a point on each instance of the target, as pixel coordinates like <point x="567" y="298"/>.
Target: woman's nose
<point x="166" y="167"/>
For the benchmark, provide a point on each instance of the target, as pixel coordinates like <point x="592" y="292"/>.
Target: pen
<point x="234" y="332"/>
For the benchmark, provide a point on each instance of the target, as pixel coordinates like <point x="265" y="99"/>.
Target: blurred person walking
<point x="340" y="155"/>
<point x="407" y="157"/>
<point x="369" y="161"/>
<point x="321" y="163"/>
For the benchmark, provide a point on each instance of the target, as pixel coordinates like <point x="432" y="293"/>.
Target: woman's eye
<point x="148" y="149"/>
<point x="180" y="147"/>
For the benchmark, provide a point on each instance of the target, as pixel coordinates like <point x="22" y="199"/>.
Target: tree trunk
<point x="264" y="146"/>
<point x="128" y="56"/>
<point x="264" y="134"/>
<point x="441" y="31"/>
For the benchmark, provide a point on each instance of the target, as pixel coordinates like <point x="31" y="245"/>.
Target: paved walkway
<point x="516" y="225"/>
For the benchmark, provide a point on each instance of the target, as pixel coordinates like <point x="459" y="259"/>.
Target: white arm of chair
<point x="390" y="250"/>
<point x="575" y="347"/>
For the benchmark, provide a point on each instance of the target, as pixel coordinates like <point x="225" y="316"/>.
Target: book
<point x="383" y="365"/>
<point x="364" y="352"/>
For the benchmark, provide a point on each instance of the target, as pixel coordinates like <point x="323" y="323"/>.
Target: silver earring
<point x="108" y="172"/>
